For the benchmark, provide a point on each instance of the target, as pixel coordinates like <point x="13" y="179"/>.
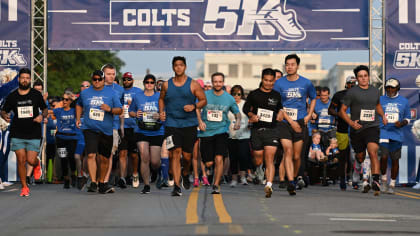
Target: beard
<point x="128" y="86"/>
<point x="24" y="87"/>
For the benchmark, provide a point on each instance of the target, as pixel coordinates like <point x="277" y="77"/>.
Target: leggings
<point x="239" y="154"/>
<point x="65" y="151"/>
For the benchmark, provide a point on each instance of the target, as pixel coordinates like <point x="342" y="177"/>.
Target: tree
<point x="70" y="68"/>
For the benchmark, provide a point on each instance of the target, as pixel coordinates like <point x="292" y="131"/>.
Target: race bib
<point x="25" y="112"/>
<point x="148" y="117"/>
<point x="367" y="115"/>
<point x="96" y="114"/>
<point x="125" y="110"/>
<point x="292" y="113"/>
<point x="62" y="152"/>
<point x="265" y="115"/>
<point x="169" y="142"/>
<point x="383" y="140"/>
<point x="392" y="117"/>
<point x="214" y="115"/>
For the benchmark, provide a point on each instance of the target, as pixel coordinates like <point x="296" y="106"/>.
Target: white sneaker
<point x="391" y="189"/>
<point x="233" y="183"/>
<point x="417" y="186"/>
<point x="1" y="186"/>
<point x="7" y="184"/>
<point x="136" y="181"/>
<point x="244" y="181"/>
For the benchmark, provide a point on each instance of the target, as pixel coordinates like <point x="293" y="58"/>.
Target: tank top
<point x="175" y="100"/>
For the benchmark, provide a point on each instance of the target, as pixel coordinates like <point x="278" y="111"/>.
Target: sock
<point x="392" y="183"/>
<point x="164" y="167"/>
<point x="375" y="177"/>
<point x="269" y="184"/>
<point x="384" y="178"/>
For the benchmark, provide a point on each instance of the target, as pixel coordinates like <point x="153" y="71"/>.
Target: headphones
<point x="107" y="65"/>
<point x="393" y="80"/>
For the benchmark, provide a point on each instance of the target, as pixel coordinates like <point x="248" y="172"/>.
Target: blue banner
<point x="403" y="63"/>
<point x="208" y="24"/>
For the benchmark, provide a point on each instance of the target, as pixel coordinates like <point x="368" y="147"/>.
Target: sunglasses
<point x="237" y="94"/>
<point x="94" y="79"/>
<point x="127" y="79"/>
<point x="67" y="99"/>
<point x="84" y="86"/>
<point x="149" y="82"/>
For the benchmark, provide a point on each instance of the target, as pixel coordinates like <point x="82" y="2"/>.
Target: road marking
<point x="297" y="231"/>
<point x="361" y="219"/>
<point x="405" y="195"/>
<point x="221" y="211"/>
<point x="411" y="193"/>
<point x="235" y="229"/>
<point x="286" y="226"/>
<point x="202" y="229"/>
<point x="191" y="216"/>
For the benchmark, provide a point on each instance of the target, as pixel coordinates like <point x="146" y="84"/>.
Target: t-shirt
<point x="149" y="105"/>
<point x="362" y="103"/>
<point x="338" y="100"/>
<point x="324" y="121"/>
<point x="294" y="94"/>
<point x="119" y="91"/>
<point x="215" y="113"/>
<point x="395" y="109"/>
<point x="66" y="123"/>
<point x="316" y="147"/>
<point x="243" y="132"/>
<point x="128" y="95"/>
<point x="96" y="119"/>
<point x="264" y="104"/>
<point x="25" y="109"/>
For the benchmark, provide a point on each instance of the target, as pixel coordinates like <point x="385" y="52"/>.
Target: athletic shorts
<point x="342" y="140"/>
<point x="360" y="140"/>
<point x="128" y="142"/>
<point x="152" y="140"/>
<point x="212" y="146"/>
<point x="181" y="137"/>
<point x="391" y="148"/>
<point x="286" y="131"/>
<point x="80" y="147"/>
<point x="65" y="148"/>
<point x="98" y="143"/>
<point x="264" y="137"/>
<point x="27" y="144"/>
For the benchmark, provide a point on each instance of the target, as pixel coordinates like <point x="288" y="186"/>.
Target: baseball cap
<point x="127" y="75"/>
<point x="350" y="79"/>
<point x="392" y="83"/>
<point x="207" y="83"/>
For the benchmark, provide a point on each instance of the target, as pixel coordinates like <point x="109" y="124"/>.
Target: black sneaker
<point x="376" y="187"/>
<point x="283" y="184"/>
<point x="92" y="188"/>
<point x="216" y="189"/>
<point x="146" y="189"/>
<point x="291" y="189"/>
<point x="73" y="181"/>
<point x="176" y="192"/>
<point x="81" y="182"/>
<point x="366" y="187"/>
<point x="105" y="188"/>
<point x="122" y="183"/>
<point x="186" y="181"/>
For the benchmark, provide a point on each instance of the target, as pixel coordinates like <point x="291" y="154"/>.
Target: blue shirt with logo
<point x="294" y="94"/>
<point x="215" y="113"/>
<point x="119" y="91"/>
<point x="324" y="121"/>
<point x="147" y="104"/>
<point x="129" y="95"/>
<point x="66" y="123"/>
<point x="396" y="108"/>
<point x="91" y="101"/>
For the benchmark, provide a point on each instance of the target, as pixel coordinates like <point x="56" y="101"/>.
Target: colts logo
<point x="272" y="19"/>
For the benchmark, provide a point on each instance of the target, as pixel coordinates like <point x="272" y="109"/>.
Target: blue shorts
<point x="80" y="147"/>
<point x="27" y="144"/>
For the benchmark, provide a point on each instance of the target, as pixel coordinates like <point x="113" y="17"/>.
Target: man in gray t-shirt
<point x="363" y="101"/>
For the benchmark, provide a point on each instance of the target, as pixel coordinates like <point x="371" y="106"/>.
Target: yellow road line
<point x="224" y="216"/>
<point x="202" y="229"/>
<point x="411" y="193"/>
<point x="236" y="229"/>
<point x="191" y="216"/>
<point x="405" y="195"/>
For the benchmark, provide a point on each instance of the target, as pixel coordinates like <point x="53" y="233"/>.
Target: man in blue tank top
<point x="177" y="105"/>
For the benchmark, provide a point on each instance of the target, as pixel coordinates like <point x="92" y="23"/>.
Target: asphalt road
<point x="244" y="210"/>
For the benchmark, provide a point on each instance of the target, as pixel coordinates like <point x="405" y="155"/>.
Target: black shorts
<point x="264" y="137"/>
<point x="152" y="140"/>
<point x="360" y="140"/>
<point x="129" y="140"/>
<point x="212" y="146"/>
<point x="182" y="137"/>
<point x="96" y="142"/>
<point x="286" y="131"/>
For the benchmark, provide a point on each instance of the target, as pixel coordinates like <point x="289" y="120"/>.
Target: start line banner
<point x="403" y="63"/>
<point x="208" y="24"/>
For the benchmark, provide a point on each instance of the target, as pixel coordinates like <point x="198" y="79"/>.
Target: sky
<point x="159" y="62"/>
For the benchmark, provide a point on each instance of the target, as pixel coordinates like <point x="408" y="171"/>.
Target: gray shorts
<point x="395" y="155"/>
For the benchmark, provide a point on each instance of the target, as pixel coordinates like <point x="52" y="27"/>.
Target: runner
<point x="177" y="104"/>
<point x="214" y="126"/>
<point x="262" y="106"/>
<point x="397" y="111"/>
<point x="149" y="132"/>
<point x="98" y="104"/>
<point x="25" y="129"/>
<point x="128" y="139"/>
<point x="363" y="101"/>
<point x="342" y="134"/>
<point x="295" y="90"/>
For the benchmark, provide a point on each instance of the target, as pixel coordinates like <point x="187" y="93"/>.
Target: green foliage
<point x="70" y="68"/>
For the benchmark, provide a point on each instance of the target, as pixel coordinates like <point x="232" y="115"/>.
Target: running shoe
<point x="146" y="189"/>
<point x="38" y="170"/>
<point x="291" y="189"/>
<point x="196" y="182"/>
<point x="268" y="191"/>
<point x="105" y="188"/>
<point x="391" y="189"/>
<point x="81" y="182"/>
<point x="25" y="192"/>
<point x="286" y="23"/>
<point x="216" y="189"/>
<point x="164" y="184"/>
<point x="176" y="192"/>
<point x="283" y="184"/>
<point x="205" y="181"/>
<point x="417" y="186"/>
<point x="66" y="183"/>
<point x="376" y="187"/>
<point x="366" y="187"/>
<point x="233" y="183"/>
<point x="122" y="183"/>
<point x="93" y="187"/>
<point x="1" y="186"/>
<point x="186" y="181"/>
<point x="136" y="181"/>
<point x="244" y="181"/>
<point x="300" y="183"/>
